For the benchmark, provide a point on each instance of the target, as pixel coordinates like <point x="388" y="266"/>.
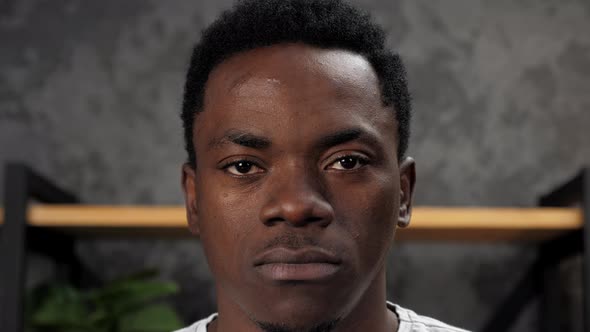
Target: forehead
<point x="291" y="65"/>
<point x="295" y="87"/>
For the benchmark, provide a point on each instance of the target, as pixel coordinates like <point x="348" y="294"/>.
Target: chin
<point x="275" y="326"/>
<point x="299" y="315"/>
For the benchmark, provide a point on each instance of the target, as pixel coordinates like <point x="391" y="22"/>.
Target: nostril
<point x="297" y="208"/>
<point x="272" y="221"/>
<point x="315" y="220"/>
<point x="307" y="221"/>
<point x="297" y="223"/>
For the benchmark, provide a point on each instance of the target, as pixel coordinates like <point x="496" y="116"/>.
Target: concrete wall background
<point x="90" y="94"/>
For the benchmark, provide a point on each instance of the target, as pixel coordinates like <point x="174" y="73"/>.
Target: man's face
<point x="296" y="190"/>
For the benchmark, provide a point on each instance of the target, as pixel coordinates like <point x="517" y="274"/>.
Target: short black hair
<point x="325" y="24"/>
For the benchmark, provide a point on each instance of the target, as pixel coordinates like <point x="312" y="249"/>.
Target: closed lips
<point x="303" y="265"/>
<point x="299" y="256"/>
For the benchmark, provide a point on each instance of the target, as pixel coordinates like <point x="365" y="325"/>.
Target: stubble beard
<point x="327" y="326"/>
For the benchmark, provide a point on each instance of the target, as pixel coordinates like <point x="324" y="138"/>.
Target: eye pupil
<point x="348" y="162"/>
<point x="243" y="167"/>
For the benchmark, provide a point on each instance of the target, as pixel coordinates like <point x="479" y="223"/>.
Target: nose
<point x="297" y="201"/>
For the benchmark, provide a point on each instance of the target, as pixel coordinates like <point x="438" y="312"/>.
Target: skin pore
<point x="297" y="191"/>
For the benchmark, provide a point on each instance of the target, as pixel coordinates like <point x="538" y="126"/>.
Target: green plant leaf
<point x="146" y="274"/>
<point x="115" y="284"/>
<point x="100" y="318"/>
<point x="121" y="304"/>
<point x="154" y="318"/>
<point x="62" y="307"/>
<point x="33" y="300"/>
<point x="128" y="296"/>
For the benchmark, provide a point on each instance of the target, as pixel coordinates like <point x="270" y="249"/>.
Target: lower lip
<point x="297" y="272"/>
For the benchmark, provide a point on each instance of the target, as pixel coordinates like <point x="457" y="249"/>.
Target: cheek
<point x="371" y="216"/>
<point x="220" y="209"/>
<point x="225" y="221"/>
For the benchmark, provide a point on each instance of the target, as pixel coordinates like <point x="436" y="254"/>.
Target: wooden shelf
<point x="428" y="223"/>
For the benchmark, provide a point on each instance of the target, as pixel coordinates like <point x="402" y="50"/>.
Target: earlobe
<point x="190" y="198"/>
<point x="407" y="173"/>
<point x="403" y="220"/>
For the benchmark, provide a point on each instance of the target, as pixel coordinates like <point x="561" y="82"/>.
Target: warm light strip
<point x="423" y="217"/>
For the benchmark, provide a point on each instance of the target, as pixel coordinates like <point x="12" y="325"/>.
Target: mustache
<point x="291" y="241"/>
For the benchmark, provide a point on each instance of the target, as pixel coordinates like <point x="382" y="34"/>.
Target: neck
<point x="371" y="312"/>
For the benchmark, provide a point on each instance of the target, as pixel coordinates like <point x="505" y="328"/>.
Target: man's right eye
<point x="242" y="167"/>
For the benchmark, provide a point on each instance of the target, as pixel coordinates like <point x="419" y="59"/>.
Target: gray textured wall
<point x="90" y="92"/>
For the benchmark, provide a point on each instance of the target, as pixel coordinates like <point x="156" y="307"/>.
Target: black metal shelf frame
<point x="542" y="277"/>
<point x="22" y="184"/>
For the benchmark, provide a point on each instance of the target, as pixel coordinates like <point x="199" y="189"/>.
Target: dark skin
<point x="297" y="156"/>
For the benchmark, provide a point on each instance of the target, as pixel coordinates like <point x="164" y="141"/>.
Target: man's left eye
<point x="242" y="168"/>
<point x="348" y="163"/>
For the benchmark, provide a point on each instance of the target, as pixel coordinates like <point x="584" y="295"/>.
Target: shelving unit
<point x="428" y="223"/>
<point x="556" y="228"/>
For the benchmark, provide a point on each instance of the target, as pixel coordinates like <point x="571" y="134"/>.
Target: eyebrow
<point x="242" y="138"/>
<point x="343" y="136"/>
<point x="247" y="139"/>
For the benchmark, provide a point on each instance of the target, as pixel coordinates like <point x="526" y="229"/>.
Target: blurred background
<point x="90" y="95"/>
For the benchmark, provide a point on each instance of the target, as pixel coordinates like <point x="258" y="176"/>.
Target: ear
<point x="190" y="197"/>
<point x="407" y="174"/>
